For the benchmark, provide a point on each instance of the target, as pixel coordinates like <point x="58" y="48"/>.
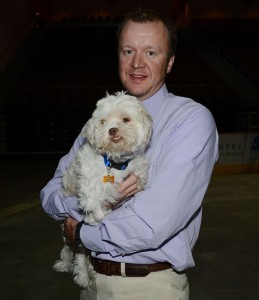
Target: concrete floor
<point x="227" y="253"/>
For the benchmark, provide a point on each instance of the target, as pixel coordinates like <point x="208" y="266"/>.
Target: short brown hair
<point x="142" y="15"/>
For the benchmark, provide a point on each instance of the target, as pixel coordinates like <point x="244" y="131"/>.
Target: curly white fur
<point x="121" y="128"/>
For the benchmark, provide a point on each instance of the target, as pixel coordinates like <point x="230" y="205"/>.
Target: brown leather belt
<point x="110" y="268"/>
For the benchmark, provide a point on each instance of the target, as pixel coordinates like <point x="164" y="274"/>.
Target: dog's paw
<point x="65" y="264"/>
<point x="82" y="280"/>
<point x="99" y="215"/>
<point x="89" y="219"/>
<point x="62" y="266"/>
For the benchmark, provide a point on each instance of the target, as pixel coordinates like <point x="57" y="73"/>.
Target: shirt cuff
<point x="91" y="237"/>
<point x="71" y="207"/>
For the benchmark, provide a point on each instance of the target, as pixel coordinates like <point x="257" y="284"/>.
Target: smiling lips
<point x="114" y="134"/>
<point x="137" y="76"/>
<point x="116" y="139"/>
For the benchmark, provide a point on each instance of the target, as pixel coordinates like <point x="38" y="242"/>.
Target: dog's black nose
<point x="113" y="131"/>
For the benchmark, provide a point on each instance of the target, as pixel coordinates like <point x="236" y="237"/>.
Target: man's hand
<point x="70" y="230"/>
<point x="128" y="187"/>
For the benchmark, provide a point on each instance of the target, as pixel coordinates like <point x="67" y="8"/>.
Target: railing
<point x="248" y="121"/>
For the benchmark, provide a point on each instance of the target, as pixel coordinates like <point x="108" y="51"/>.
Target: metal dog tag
<point x="108" y="178"/>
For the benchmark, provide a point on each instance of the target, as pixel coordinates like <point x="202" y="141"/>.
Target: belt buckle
<point x="123" y="269"/>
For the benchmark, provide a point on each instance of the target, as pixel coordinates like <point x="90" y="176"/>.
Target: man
<point x="142" y="249"/>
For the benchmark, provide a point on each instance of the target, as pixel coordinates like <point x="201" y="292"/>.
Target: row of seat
<point x="47" y="125"/>
<point x="236" y="40"/>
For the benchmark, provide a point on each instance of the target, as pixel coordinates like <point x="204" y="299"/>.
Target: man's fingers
<point x="130" y="191"/>
<point x="128" y="187"/>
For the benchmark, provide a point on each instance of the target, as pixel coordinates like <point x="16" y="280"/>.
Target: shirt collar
<point x="153" y="103"/>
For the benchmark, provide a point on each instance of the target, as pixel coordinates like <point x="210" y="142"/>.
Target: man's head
<point x="146" y="44"/>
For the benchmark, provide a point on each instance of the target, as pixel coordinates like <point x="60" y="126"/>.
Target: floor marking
<point x="17" y="209"/>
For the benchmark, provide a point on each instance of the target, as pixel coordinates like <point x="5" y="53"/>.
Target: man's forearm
<point x="70" y="230"/>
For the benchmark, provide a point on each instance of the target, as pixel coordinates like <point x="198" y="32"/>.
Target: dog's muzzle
<point x="113" y="131"/>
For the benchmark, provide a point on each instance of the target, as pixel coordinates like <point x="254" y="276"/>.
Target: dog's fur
<point x="120" y="128"/>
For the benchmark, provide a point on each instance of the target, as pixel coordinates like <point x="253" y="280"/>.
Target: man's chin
<point x="140" y="94"/>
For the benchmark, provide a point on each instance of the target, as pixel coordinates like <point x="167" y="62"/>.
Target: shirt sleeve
<point x="54" y="202"/>
<point x="179" y="178"/>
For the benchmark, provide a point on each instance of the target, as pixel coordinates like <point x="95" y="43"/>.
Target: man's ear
<point x="170" y="64"/>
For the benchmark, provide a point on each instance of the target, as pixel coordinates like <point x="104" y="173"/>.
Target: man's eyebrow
<point x="126" y="46"/>
<point x="145" y="48"/>
<point x="153" y="48"/>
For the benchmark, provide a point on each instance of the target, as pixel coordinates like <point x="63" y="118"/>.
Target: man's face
<point x="143" y="58"/>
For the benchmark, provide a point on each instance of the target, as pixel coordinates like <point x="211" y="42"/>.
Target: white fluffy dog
<point x="116" y="137"/>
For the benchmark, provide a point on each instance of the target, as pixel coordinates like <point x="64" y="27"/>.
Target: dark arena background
<point x="57" y="58"/>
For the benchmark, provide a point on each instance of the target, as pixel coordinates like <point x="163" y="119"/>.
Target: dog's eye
<point x="126" y="119"/>
<point x="102" y="121"/>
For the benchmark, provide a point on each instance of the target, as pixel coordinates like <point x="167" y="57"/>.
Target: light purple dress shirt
<point x="162" y="223"/>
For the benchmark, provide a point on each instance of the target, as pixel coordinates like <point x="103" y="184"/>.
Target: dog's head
<point x="119" y="127"/>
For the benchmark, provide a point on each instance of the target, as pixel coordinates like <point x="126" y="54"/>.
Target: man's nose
<point x="138" y="61"/>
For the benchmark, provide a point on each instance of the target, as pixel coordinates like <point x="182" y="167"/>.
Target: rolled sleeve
<point x="101" y="238"/>
<point x="54" y="202"/>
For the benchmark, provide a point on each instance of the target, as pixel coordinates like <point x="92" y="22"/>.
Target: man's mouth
<point x="138" y="76"/>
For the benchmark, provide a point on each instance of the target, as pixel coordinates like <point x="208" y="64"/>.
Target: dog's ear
<point x="101" y="101"/>
<point x="88" y="131"/>
<point x="147" y="125"/>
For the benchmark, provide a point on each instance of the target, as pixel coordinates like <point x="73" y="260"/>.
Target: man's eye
<point x="127" y="52"/>
<point x="151" y="53"/>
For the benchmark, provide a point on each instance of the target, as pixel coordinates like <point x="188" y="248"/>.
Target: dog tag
<point x="108" y="178"/>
